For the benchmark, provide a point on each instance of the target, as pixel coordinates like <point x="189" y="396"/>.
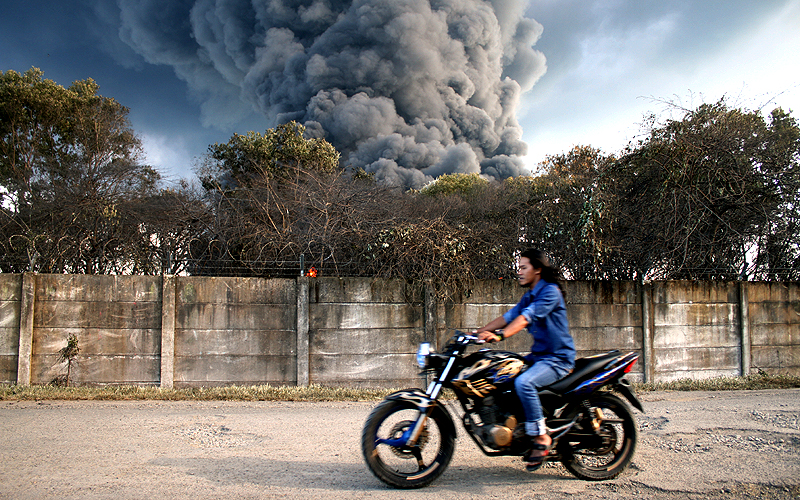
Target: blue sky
<point x="609" y="62"/>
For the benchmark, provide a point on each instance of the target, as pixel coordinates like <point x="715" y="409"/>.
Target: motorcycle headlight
<point x="422" y="354"/>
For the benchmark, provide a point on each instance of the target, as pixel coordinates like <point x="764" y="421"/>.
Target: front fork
<point x="433" y="391"/>
<point x="425" y="402"/>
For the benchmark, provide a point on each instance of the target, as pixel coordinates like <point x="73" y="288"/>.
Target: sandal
<point x="533" y="463"/>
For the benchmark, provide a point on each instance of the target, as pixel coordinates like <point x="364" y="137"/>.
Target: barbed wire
<point x="292" y="268"/>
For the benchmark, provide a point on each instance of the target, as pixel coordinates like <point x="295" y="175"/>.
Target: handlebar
<point x="473" y="339"/>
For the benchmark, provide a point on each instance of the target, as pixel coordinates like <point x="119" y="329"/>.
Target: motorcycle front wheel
<point x="407" y="466"/>
<point x="602" y="444"/>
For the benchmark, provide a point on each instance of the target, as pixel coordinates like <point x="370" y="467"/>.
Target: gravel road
<point x="695" y="445"/>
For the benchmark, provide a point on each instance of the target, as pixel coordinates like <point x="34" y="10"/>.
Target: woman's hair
<point x="539" y="260"/>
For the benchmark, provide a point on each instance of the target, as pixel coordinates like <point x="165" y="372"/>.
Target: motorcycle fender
<point x="624" y="388"/>
<point x="414" y="396"/>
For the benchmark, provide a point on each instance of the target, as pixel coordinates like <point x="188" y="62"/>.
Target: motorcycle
<point x="409" y="438"/>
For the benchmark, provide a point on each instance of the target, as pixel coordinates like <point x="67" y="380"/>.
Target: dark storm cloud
<point x="407" y="89"/>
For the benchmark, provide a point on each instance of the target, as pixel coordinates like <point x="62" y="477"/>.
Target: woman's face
<point x="526" y="274"/>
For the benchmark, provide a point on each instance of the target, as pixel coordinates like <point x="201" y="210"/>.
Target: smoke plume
<point x="407" y="89"/>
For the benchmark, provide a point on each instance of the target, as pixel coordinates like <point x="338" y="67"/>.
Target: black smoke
<point x="407" y="89"/>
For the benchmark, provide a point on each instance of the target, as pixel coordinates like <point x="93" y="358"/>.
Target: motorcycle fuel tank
<point x="485" y="370"/>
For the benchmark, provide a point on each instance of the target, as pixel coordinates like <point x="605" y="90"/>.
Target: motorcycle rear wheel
<point x="407" y="467"/>
<point x="615" y="439"/>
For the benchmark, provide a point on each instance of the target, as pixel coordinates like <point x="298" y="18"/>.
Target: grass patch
<point x="315" y="393"/>
<point x="756" y="381"/>
<point x="318" y="393"/>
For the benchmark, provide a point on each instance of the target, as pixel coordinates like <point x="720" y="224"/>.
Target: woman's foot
<point x="540" y="447"/>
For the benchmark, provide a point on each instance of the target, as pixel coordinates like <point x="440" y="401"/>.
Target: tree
<point x="70" y="164"/>
<point x="32" y="117"/>
<point x="279" y="152"/>
<point x="264" y="191"/>
<point x="778" y="242"/>
<point x="701" y="193"/>
<point x="571" y="220"/>
<point x="176" y="220"/>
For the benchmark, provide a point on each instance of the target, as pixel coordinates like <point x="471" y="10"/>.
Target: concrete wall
<point x="117" y="320"/>
<point x="204" y="331"/>
<point x="364" y="332"/>
<point x="696" y="329"/>
<point x="774" y="326"/>
<point x="234" y="331"/>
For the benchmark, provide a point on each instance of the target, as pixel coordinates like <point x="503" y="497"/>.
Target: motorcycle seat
<point x="583" y="367"/>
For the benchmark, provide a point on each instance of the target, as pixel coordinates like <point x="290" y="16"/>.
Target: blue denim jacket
<point x="543" y="306"/>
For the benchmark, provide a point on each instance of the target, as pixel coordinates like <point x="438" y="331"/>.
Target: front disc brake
<point x="397" y="432"/>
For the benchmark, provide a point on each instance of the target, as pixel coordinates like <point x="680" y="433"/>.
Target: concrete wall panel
<point x="774" y="314"/>
<point x="239" y="316"/>
<point x="98" y="369"/>
<point x="209" y="371"/>
<point x="9" y="316"/>
<point x="681" y="336"/>
<point x="474" y="315"/>
<point x="491" y="292"/>
<point x="693" y="315"/>
<point x="110" y="315"/>
<point x="775" y="334"/>
<point x="360" y="341"/>
<point x="602" y="292"/>
<point x="361" y="290"/>
<point x="707" y="359"/>
<point x="364" y="370"/>
<point x="97" y="341"/>
<point x="773" y="292"/>
<point x="604" y="315"/>
<point x="212" y="290"/>
<point x="96" y="288"/>
<point x="234" y="331"/>
<point x="9" y="336"/>
<point x="364" y="332"/>
<point x="780" y="359"/>
<point x="372" y="315"/>
<point x="607" y="338"/>
<point x="191" y="342"/>
<point x="117" y="320"/>
<point x="703" y="292"/>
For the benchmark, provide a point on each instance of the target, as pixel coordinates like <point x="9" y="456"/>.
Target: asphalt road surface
<point x="696" y="445"/>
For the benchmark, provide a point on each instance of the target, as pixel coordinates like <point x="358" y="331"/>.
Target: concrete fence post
<point x="431" y="315"/>
<point x="648" y="359"/>
<point x="27" y="300"/>
<point x="744" y="328"/>
<point x="303" y="342"/>
<point x="168" y="300"/>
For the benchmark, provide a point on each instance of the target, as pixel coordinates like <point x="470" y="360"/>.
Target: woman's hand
<point x="489" y="336"/>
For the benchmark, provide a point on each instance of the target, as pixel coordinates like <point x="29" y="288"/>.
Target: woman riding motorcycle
<point x="542" y="311"/>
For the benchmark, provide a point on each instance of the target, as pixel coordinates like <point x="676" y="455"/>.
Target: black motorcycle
<point x="409" y="438"/>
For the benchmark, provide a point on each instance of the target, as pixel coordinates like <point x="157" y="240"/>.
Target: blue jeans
<point x="540" y="374"/>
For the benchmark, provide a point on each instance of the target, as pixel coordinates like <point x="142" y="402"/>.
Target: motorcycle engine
<point x="487" y="374"/>
<point x="497" y="428"/>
